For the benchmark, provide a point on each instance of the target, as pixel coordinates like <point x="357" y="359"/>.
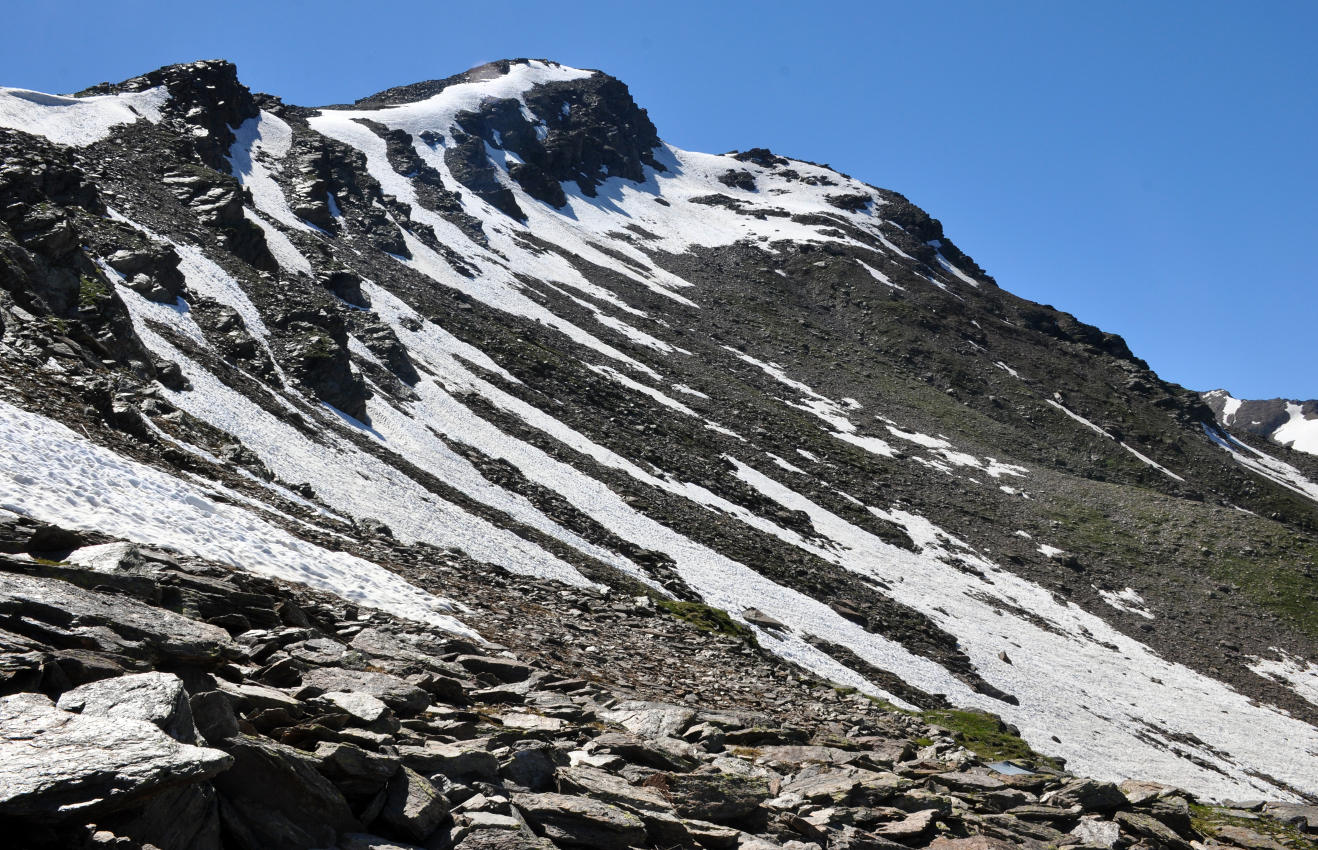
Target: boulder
<point x="413" y="807"/>
<point x="398" y="694"/>
<point x="1093" y="832"/>
<point x="651" y="719"/>
<point x="57" y="764"/>
<point x="274" y="798"/>
<point x="1247" y="838"/>
<point x="716" y="797"/>
<point x="1089" y="794"/>
<point x="1304" y="817"/>
<point x="459" y="761"/>
<point x="157" y="698"/>
<point x="1149" y="827"/>
<point x="353" y="770"/>
<point x="503" y="669"/>
<point x="581" y="822"/>
<point x="85" y="619"/>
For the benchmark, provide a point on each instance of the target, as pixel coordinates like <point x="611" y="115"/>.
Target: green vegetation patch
<point x="91" y="291"/>
<point x="987" y="736"/>
<point x="707" y="618"/>
<point x="1208" y="819"/>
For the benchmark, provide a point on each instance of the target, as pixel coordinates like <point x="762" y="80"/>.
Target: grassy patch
<point x="707" y="618"/>
<point x="91" y="291"/>
<point x="1207" y="820"/>
<point x="987" y="736"/>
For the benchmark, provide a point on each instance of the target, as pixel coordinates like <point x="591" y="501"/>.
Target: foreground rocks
<point x="162" y="702"/>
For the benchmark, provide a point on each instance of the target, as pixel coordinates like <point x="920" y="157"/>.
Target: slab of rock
<point x="356" y="772"/>
<point x="413" y="807"/>
<point x="601" y="785"/>
<point x="503" y="669"/>
<point x="651" y="719"/>
<point x="1247" y="838"/>
<point x="910" y="827"/>
<point x="581" y="821"/>
<point x="400" y="695"/>
<point x="716" y="797"/>
<point x="958" y="781"/>
<point x="790" y="755"/>
<point x="661" y="753"/>
<point x="274" y="798"/>
<point x="461" y="761"/>
<point x="974" y="842"/>
<point x="57" y="764"/>
<point x="363" y="707"/>
<point x="157" y="698"/>
<point x="531" y="722"/>
<point x="86" y="619"/>
<point x="836" y="786"/>
<point x="1305" y="817"/>
<point x="1089" y="794"/>
<point x="1150" y="827"/>
<point x="1093" y="832"/>
<point x="363" y="841"/>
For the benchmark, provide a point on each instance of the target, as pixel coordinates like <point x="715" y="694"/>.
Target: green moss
<point x="707" y="618"/>
<point x="1208" y="819"/>
<point x="92" y="291"/>
<point x="987" y="736"/>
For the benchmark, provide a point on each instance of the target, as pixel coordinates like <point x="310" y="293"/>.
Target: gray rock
<point x="1305" y="817"/>
<point x="581" y="821"/>
<point x="158" y="698"/>
<point x="86" y="619"/>
<point x="398" y="694"/>
<point x="716" y="797"/>
<point x="57" y="764"/>
<point x="651" y="719"/>
<point x="274" y="798"/>
<point x="1089" y="794"/>
<point x="1152" y="828"/>
<point x="414" y="807"/>
<point x="531" y="768"/>
<point x="363" y="841"/>
<point x="353" y="770"/>
<point x="831" y="787"/>
<point x="363" y="707"/>
<point x="186" y="817"/>
<point x="503" y="669"/>
<point x="212" y="713"/>
<point x="459" y="761"/>
<point x="1093" y="832"/>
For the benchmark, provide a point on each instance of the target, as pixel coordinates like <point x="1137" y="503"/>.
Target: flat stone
<point x="400" y="695"/>
<point x="1247" y="838"/>
<point x="503" y="669"/>
<point x="913" y="825"/>
<point x="57" y="764"/>
<point x="157" y="698"/>
<point x="651" y="719"/>
<point x="958" y="781"/>
<point x="461" y="761"/>
<point x="531" y="722"/>
<point x="116" y="624"/>
<point x="353" y="770"/>
<point x="792" y="755"/>
<point x="364" y="707"/>
<point x="1305" y="817"/>
<point x="1093" y="832"/>
<point x="1149" y="827"/>
<point x="582" y="821"/>
<point x="1089" y="794"/>
<point x="716" y="797"/>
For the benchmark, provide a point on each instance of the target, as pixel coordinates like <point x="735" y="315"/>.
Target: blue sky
<point x="1147" y="166"/>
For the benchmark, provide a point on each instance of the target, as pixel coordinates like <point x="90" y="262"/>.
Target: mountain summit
<point x="705" y="444"/>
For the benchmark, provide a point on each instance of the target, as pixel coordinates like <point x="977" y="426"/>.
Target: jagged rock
<point x="836" y="786"/>
<point x="1305" y="817"/>
<point x="363" y="841"/>
<point x="76" y="617"/>
<point x="581" y="822"/>
<point x="1151" y="828"/>
<point x="503" y="669"/>
<point x="398" y="694"/>
<point x="356" y="772"/>
<point x="457" y="761"/>
<point x="274" y="798"/>
<point x="910" y="827"/>
<point x="716" y="797"/>
<point x="58" y="764"/>
<point x="1093" y="832"/>
<point x="1247" y="838"/>
<point x="413" y="807"/>
<point x="660" y="753"/>
<point x="532" y="768"/>
<point x="157" y="698"/>
<point x="1090" y="795"/>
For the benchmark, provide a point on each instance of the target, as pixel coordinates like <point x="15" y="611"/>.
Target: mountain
<point x="713" y="454"/>
<point x="1282" y="421"/>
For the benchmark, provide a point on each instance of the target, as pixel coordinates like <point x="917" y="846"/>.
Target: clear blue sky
<point x="1147" y="166"/>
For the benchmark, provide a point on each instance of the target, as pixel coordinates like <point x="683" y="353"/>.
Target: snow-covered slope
<point x="1285" y="422"/>
<point x="506" y="322"/>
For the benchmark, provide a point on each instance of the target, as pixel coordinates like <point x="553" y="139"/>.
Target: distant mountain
<point x="1293" y="424"/>
<point x="485" y="359"/>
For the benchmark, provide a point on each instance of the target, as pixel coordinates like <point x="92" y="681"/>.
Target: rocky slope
<point x="488" y="360"/>
<point x="1293" y="424"/>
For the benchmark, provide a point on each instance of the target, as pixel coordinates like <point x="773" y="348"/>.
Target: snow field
<point x="77" y="121"/>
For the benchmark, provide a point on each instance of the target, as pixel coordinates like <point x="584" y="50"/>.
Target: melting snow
<point x="1299" y="675"/>
<point x="1126" y="600"/>
<point x="82" y="485"/>
<point x="77" y="121"/>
